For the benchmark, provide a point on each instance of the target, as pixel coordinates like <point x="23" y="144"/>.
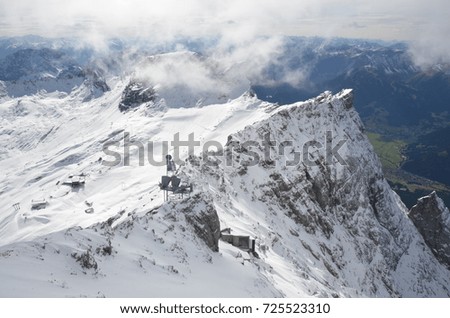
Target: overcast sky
<point x="424" y="22"/>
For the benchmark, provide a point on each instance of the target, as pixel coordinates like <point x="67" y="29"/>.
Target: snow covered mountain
<point x="395" y="98"/>
<point x="300" y="179"/>
<point x="29" y="71"/>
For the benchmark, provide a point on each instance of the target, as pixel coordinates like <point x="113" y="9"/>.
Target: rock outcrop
<point x="201" y="214"/>
<point x="432" y="219"/>
<point x="135" y="94"/>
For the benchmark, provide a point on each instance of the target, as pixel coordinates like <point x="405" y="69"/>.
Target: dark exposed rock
<point x="201" y="214"/>
<point x="348" y="100"/>
<point x="86" y="260"/>
<point x="135" y="94"/>
<point x="432" y="219"/>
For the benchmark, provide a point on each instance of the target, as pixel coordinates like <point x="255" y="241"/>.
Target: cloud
<point x="235" y="22"/>
<point x="224" y="72"/>
<point x="431" y="45"/>
<point x="163" y="20"/>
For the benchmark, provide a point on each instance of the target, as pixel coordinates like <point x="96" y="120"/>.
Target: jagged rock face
<point x="432" y="219"/>
<point x="336" y="212"/>
<point x="135" y="94"/>
<point x="202" y="216"/>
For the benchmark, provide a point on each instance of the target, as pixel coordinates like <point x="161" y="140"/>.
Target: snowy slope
<point x="323" y="229"/>
<point x="326" y="229"/>
<point x="48" y="138"/>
